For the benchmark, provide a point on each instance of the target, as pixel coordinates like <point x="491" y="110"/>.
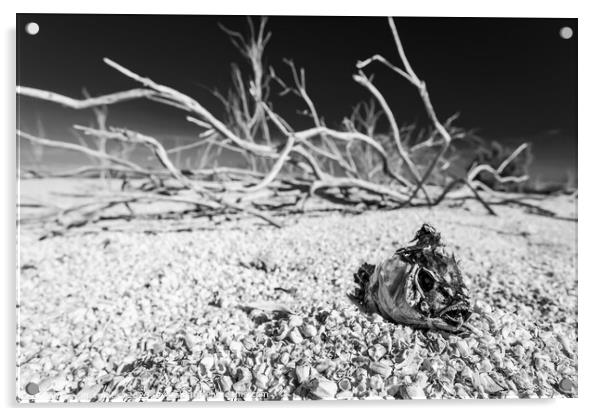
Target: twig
<point x="349" y="136"/>
<point x="276" y="168"/>
<point x="411" y="76"/>
<point x="332" y="182"/>
<point x="82" y="149"/>
<point x="204" y="140"/>
<point x="161" y="154"/>
<point x="364" y="81"/>
<point x="193" y="106"/>
<point x="475" y="171"/>
<point x="478" y="197"/>
<point x="300" y="89"/>
<point x="512" y="156"/>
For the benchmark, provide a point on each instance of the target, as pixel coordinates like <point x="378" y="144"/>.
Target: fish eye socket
<point x="445" y="289"/>
<point x="426" y="280"/>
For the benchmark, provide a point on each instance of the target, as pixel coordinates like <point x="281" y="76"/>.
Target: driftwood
<point x="285" y="166"/>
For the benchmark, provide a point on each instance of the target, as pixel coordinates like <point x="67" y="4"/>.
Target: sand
<point x="140" y="314"/>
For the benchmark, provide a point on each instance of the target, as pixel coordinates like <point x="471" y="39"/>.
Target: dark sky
<point x="513" y="79"/>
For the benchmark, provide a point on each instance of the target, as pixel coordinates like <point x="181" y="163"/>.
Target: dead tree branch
<point x="363" y="80"/>
<point x="161" y="153"/>
<point x="409" y="74"/>
<point x="497" y="173"/>
<point x="82" y="149"/>
<point x="283" y="166"/>
<point x="175" y="97"/>
<point x="90" y="102"/>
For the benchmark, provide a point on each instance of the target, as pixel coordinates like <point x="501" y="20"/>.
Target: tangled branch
<point x="285" y="166"/>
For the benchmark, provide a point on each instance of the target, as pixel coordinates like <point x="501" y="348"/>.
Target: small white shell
<point x="322" y="388"/>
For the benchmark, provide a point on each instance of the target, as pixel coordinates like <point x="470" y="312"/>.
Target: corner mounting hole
<point x="32" y="389"/>
<point x="32" y="28"/>
<point x="566" y="32"/>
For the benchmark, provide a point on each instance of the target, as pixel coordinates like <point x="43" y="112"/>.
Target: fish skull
<point x="420" y="285"/>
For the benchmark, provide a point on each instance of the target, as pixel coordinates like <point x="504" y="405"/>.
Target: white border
<point x="589" y="35"/>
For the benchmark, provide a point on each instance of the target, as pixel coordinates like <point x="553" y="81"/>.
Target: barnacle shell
<point x="361" y="388"/>
<point x="261" y="381"/>
<point x="376" y="382"/>
<point x="241" y="386"/>
<point x="309" y="330"/>
<point x="285" y="357"/>
<point x="295" y="321"/>
<point x="488" y="384"/>
<point x="413" y="391"/>
<point x="382" y="368"/>
<point x="203" y="372"/>
<point x="220" y="367"/>
<point x="243" y="374"/>
<point x="225" y="383"/>
<point x="345" y="394"/>
<point x="344" y="384"/>
<point x="322" y="388"/>
<point x="295" y="336"/>
<point x="376" y="352"/>
<point x="236" y="347"/>
<point x="302" y="372"/>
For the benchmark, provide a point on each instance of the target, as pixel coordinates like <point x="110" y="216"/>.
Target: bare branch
<point x="193" y="106"/>
<point x="421" y="85"/>
<point x="82" y="149"/>
<point x="502" y="179"/>
<point x="207" y="137"/>
<point x="90" y="102"/>
<point x="349" y="136"/>
<point x="276" y="168"/>
<point x="401" y="52"/>
<point x="336" y="165"/>
<point x="512" y="156"/>
<point x="379" y="58"/>
<point x="332" y="182"/>
<point x="198" y="122"/>
<point x="161" y="153"/>
<point x="364" y="81"/>
<point x="475" y="171"/>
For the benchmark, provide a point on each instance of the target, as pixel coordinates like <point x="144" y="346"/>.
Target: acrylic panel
<point x="295" y="207"/>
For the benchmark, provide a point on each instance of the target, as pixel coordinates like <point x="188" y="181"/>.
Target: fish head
<point x="420" y="285"/>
